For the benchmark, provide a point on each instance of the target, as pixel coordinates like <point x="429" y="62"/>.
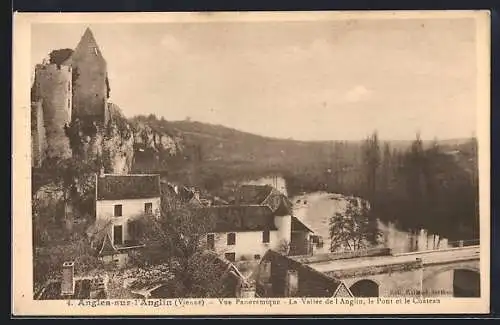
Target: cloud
<point x="357" y="94"/>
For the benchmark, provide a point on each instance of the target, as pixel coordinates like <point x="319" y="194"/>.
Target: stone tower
<point x="90" y="81"/>
<point x="51" y="104"/>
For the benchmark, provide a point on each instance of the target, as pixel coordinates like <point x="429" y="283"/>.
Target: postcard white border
<point x="22" y="271"/>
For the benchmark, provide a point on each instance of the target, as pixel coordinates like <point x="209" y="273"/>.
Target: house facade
<point x="120" y="201"/>
<point x="259" y="219"/>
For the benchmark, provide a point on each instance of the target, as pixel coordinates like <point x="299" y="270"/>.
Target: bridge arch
<point x="466" y="283"/>
<point x="452" y="280"/>
<point x="365" y="288"/>
<point x="452" y="267"/>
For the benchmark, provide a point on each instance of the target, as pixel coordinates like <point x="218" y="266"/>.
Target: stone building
<point x="51" y="109"/>
<point x="70" y="85"/>
<point x="120" y="201"/>
<point x="279" y="275"/>
<point x="90" y="85"/>
<point x="260" y="218"/>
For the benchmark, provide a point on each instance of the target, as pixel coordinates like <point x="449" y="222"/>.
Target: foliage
<point x="354" y="229"/>
<point x="414" y="183"/>
<point x="59" y="56"/>
<point x="371" y="163"/>
<point x="177" y="237"/>
<point x="284" y="247"/>
<point x="48" y="261"/>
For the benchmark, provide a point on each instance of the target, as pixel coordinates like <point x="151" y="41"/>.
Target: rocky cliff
<point x="115" y="144"/>
<point x="64" y="188"/>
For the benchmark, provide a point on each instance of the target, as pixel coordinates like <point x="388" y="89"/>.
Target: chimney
<point x="247" y="291"/>
<point x="68" y="279"/>
<point x="265" y="271"/>
<point x="292" y="283"/>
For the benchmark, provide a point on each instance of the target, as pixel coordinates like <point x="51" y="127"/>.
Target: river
<point x="314" y="209"/>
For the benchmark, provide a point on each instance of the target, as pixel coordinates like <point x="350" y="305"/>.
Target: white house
<point x="120" y="200"/>
<point x="260" y="219"/>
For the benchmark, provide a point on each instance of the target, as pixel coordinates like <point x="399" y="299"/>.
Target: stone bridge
<point x="452" y="272"/>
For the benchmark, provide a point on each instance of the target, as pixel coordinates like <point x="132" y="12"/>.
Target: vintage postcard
<point x="251" y="163"/>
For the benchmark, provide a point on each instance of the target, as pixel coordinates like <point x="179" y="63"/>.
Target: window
<point x="118" y="210"/>
<point x="265" y="236"/>
<point x="231" y="238"/>
<point x="69" y="103"/>
<point x="148" y="208"/>
<point x="230" y="257"/>
<point x="117" y="235"/>
<point x="256" y="257"/>
<point x="211" y="241"/>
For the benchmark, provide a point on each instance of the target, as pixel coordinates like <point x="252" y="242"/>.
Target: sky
<point x="305" y="80"/>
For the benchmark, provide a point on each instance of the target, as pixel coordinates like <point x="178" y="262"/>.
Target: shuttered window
<point x="231" y="238"/>
<point x="230" y="257"/>
<point x="265" y="236"/>
<point x="118" y="210"/>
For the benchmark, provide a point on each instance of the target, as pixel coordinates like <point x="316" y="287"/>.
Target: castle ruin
<point x="70" y="86"/>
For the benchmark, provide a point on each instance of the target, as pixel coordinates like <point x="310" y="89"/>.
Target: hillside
<point x="213" y="150"/>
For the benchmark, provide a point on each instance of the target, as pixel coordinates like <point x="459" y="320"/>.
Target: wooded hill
<point x="416" y="183"/>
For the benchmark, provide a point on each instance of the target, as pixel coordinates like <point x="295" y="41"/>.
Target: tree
<point x="178" y="238"/>
<point x="355" y="229"/>
<point x="48" y="261"/>
<point x="371" y="161"/>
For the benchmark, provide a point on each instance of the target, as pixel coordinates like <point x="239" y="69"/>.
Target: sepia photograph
<point x="251" y="163"/>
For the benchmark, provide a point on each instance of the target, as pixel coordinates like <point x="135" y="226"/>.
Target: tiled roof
<point x="241" y="218"/>
<point x="107" y="247"/>
<point x="252" y="194"/>
<point x="298" y="225"/>
<point x="121" y="187"/>
<point x="312" y="283"/>
<point x="284" y="207"/>
<point x="87" y="45"/>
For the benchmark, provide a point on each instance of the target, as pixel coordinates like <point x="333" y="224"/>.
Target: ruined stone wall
<point x="38" y="140"/>
<point x="53" y="88"/>
<point x="90" y="92"/>
<point x="110" y="146"/>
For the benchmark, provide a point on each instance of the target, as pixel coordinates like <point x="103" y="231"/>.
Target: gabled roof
<point x="342" y="291"/>
<point x="318" y="283"/>
<point x="241" y="218"/>
<point x="284" y="207"/>
<point x="252" y="194"/>
<point x="107" y="247"/>
<point x="87" y="46"/>
<point x="122" y="187"/>
<point x="298" y="225"/>
<point x="264" y="195"/>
